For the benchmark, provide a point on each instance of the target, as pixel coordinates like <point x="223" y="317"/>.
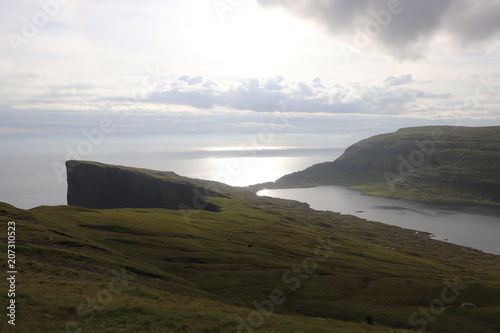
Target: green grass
<point x="202" y="275"/>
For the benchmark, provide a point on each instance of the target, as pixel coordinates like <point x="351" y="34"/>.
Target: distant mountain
<point x="438" y="163"/>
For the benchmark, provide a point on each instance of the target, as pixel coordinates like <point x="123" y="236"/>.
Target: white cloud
<point x="397" y="81"/>
<point x="35" y="89"/>
<point x="277" y="94"/>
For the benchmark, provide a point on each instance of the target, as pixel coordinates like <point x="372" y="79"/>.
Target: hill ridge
<point x="431" y="163"/>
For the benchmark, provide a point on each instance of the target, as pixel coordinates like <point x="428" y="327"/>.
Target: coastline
<point x="470" y="226"/>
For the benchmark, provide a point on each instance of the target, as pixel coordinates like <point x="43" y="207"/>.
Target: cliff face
<point x="101" y="186"/>
<point x="428" y="163"/>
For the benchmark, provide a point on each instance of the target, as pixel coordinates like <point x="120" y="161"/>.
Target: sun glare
<point x="252" y="39"/>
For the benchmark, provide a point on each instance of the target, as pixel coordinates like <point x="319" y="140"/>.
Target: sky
<point x="160" y="75"/>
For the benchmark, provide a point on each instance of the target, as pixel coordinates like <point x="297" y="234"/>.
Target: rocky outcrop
<point x="100" y="186"/>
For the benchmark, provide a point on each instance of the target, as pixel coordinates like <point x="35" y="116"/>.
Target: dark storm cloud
<point x="474" y="21"/>
<point x="403" y="28"/>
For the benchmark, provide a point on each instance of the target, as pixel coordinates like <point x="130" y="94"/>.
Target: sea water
<point x="30" y="180"/>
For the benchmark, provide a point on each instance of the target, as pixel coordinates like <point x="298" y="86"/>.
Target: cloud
<point x="37" y="95"/>
<point x="403" y="28"/>
<point x="398" y="81"/>
<point x="275" y="83"/>
<point x="33" y="89"/>
<point x="473" y="21"/>
<point x="195" y="91"/>
<point x="277" y="94"/>
<point x="196" y="80"/>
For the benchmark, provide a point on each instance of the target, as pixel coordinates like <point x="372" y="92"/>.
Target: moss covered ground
<point x="259" y="265"/>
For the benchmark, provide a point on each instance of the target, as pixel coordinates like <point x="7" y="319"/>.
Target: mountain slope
<point x="258" y="264"/>
<point x="425" y="163"/>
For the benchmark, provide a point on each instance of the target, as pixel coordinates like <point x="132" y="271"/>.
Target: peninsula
<point x="435" y="163"/>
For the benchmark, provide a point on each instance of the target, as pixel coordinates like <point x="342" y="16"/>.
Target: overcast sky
<point x="215" y="73"/>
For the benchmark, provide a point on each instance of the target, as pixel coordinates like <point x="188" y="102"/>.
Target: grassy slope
<point x="461" y="165"/>
<point x="200" y="275"/>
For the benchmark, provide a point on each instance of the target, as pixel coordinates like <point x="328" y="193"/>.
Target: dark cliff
<point x="426" y="163"/>
<point x="100" y="186"/>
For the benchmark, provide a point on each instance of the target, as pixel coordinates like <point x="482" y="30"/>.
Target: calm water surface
<point x="472" y="226"/>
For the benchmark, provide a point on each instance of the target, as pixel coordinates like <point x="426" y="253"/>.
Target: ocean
<point x="33" y="180"/>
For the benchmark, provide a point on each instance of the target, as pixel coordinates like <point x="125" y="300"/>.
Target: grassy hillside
<point x="259" y="265"/>
<point x="440" y="163"/>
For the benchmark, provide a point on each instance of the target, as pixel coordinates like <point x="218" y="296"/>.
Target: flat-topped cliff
<point x="101" y="186"/>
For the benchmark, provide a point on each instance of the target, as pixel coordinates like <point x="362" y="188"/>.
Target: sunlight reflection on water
<point x="28" y="181"/>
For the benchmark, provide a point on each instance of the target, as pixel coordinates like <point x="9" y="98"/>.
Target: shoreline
<point x="440" y="202"/>
<point x="487" y="212"/>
